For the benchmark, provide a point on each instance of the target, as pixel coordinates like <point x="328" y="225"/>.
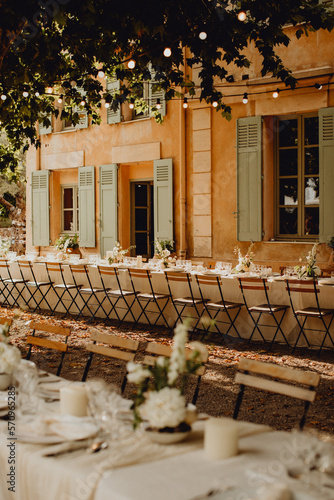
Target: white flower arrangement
<point x="245" y="262"/>
<point x="117" y="253"/>
<point x="159" y="398"/>
<point x="10" y="355"/>
<point x="5" y="244"/>
<point x="310" y="269"/>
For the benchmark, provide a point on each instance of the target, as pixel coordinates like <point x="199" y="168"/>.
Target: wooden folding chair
<point x="155" y="350"/>
<point x="252" y="373"/>
<point x="42" y="341"/>
<point x="31" y="283"/>
<point x="6" y="321"/>
<point x="11" y="285"/>
<point x="214" y="308"/>
<point x="111" y="346"/>
<point x="63" y="290"/>
<point x="276" y="311"/>
<point x="160" y="300"/>
<point x="299" y="287"/>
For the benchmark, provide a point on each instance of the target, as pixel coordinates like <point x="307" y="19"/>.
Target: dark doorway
<point x="142" y="228"/>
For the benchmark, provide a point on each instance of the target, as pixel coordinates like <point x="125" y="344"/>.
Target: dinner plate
<point x="59" y="431"/>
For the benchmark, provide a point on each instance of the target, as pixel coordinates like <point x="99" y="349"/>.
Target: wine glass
<point x="25" y="379"/>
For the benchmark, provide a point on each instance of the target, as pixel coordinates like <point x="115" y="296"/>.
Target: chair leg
<point x="89" y="362"/>
<point x="238" y="402"/>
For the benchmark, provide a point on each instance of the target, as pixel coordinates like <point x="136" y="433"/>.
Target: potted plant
<point x="68" y="244"/>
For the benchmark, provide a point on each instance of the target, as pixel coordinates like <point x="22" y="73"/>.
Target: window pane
<point x="312" y="161"/>
<point x="141" y="195"/>
<point x="312" y="220"/>
<point x="288" y="220"/>
<point x="68" y="220"/>
<point x="288" y="191"/>
<point x="312" y="191"/>
<point x="311" y="130"/>
<point x="68" y="197"/>
<point x="141" y="244"/>
<point x="141" y="219"/>
<point x="288" y="133"/>
<point x="288" y="162"/>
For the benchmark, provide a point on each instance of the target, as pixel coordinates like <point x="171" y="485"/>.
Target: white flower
<point x="165" y="253"/>
<point x="10" y="357"/>
<point x="137" y="373"/>
<point x="200" y="348"/>
<point x="4" y="337"/>
<point x="165" y="408"/>
<point x="177" y="361"/>
<point x="317" y="271"/>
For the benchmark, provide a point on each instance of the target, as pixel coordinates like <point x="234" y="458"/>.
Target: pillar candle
<point x="220" y="438"/>
<point x="139" y="261"/>
<point x="73" y="400"/>
<point x="109" y="254"/>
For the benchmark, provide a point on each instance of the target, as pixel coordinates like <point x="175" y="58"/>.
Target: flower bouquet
<point x="159" y="399"/>
<point x="310" y="269"/>
<point x="163" y="250"/>
<point x="245" y="262"/>
<point x="10" y="357"/>
<point x="67" y="241"/>
<point x="5" y="244"/>
<point x="117" y="253"/>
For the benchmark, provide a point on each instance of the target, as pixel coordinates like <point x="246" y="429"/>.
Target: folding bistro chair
<point x="63" y="289"/>
<point x="183" y="304"/>
<point x="87" y="293"/>
<point x="114" y="296"/>
<point x="111" y="346"/>
<point x="299" y="287"/>
<point x="263" y="376"/>
<point x="231" y="310"/>
<point x="11" y="285"/>
<point x="6" y="321"/>
<point x="155" y="350"/>
<point x="160" y="300"/>
<point x="276" y="311"/>
<point x="39" y="287"/>
<point x="43" y="341"/>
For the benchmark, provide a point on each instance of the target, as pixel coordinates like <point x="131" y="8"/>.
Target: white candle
<point x="73" y="400"/>
<point x="109" y="254"/>
<point x="220" y="438"/>
<point x="139" y="261"/>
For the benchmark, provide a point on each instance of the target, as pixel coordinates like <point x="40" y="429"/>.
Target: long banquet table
<point x="134" y="468"/>
<point x="244" y="324"/>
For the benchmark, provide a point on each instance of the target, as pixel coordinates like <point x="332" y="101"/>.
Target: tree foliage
<point x="64" y="43"/>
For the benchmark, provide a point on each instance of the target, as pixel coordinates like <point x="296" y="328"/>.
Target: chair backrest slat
<point x="166" y="350"/>
<point x="106" y="338"/>
<point x="58" y="330"/>
<point x="176" y="276"/>
<point x="50" y="344"/>
<point x="209" y="279"/>
<point x="110" y="352"/>
<point x="4" y="321"/>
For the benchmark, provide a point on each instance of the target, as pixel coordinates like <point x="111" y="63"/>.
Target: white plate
<point x="52" y="386"/>
<point x="67" y="430"/>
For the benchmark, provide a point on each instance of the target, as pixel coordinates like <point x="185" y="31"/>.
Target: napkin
<point x="65" y="426"/>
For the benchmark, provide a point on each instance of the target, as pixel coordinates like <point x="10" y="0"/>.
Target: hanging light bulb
<point x="275" y="93"/>
<point x="101" y="74"/>
<point x="318" y="86"/>
<point x="245" y="98"/>
<point x="3" y="97"/>
<point x="131" y="64"/>
<point x="158" y="104"/>
<point x="214" y="104"/>
<point x="49" y="90"/>
<point x="132" y="103"/>
<point x="167" y="52"/>
<point x="25" y="93"/>
<point x="242" y="15"/>
<point x="60" y="99"/>
<point x="107" y="105"/>
<point x="37" y="94"/>
<point x="185" y="103"/>
<point x="203" y="35"/>
<point x="83" y="102"/>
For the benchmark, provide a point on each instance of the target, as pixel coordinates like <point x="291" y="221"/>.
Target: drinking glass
<point x="219" y="266"/>
<point x="25" y="380"/>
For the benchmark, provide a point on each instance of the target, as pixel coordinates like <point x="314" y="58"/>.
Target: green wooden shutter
<point x="326" y="173"/>
<point x="45" y="129"/>
<point x="87" y="206"/>
<point x="249" y="179"/>
<point x="108" y="207"/>
<point x="40" y="208"/>
<point x="154" y="95"/>
<point x="113" y="86"/>
<point x="163" y="199"/>
<point x="82" y="112"/>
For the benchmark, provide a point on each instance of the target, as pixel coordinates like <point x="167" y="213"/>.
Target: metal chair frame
<point x="223" y="306"/>
<point x="115" y="295"/>
<point x="63" y="287"/>
<point x="148" y="298"/>
<point x="252" y="373"/>
<point x="13" y="282"/>
<point x="90" y="291"/>
<point x="31" y="282"/>
<point x="256" y="312"/>
<point x="303" y="286"/>
<point x="180" y="304"/>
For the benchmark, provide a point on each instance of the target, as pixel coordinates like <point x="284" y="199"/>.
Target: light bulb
<point x="167" y="52"/>
<point x="3" y="97"/>
<point x="215" y="104"/>
<point x="37" y="94"/>
<point x="107" y="105"/>
<point x="101" y="74"/>
<point x="242" y="16"/>
<point x="245" y="98"/>
<point x="185" y="103"/>
<point x="158" y="104"/>
<point x="275" y="93"/>
<point x="203" y="35"/>
<point x="83" y="102"/>
<point x="132" y="103"/>
<point x="49" y="90"/>
<point x="60" y="99"/>
<point x="131" y="64"/>
<point x="318" y="86"/>
<point x="25" y="93"/>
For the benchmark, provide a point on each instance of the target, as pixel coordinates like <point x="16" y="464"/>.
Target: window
<point x="70" y="209"/>
<point x="297" y="163"/>
<point x="143" y="96"/>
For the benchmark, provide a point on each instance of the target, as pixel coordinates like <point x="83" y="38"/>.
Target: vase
<point x="5" y="381"/>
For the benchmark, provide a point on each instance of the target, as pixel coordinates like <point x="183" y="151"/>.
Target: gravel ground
<point x="218" y="391"/>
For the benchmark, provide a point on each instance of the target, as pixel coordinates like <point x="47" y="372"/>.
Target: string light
<point x="49" y="90"/>
<point x="214" y="104"/>
<point x="60" y="99"/>
<point x="132" y="103"/>
<point x="318" y="86"/>
<point x="158" y="105"/>
<point x="131" y="64"/>
<point x="3" y="97"/>
<point x="25" y="93"/>
<point x="245" y="98"/>
<point x="167" y="52"/>
<point x="107" y="105"/>
<point x="101" y="74"/>
<point x="185" y="103"/>
<point x="83" y="102"/>
<point x="242" y="15"/>
<point x="203" y="35"/>
<point x="37" y="94"/>
<point x="275" y="93"/>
